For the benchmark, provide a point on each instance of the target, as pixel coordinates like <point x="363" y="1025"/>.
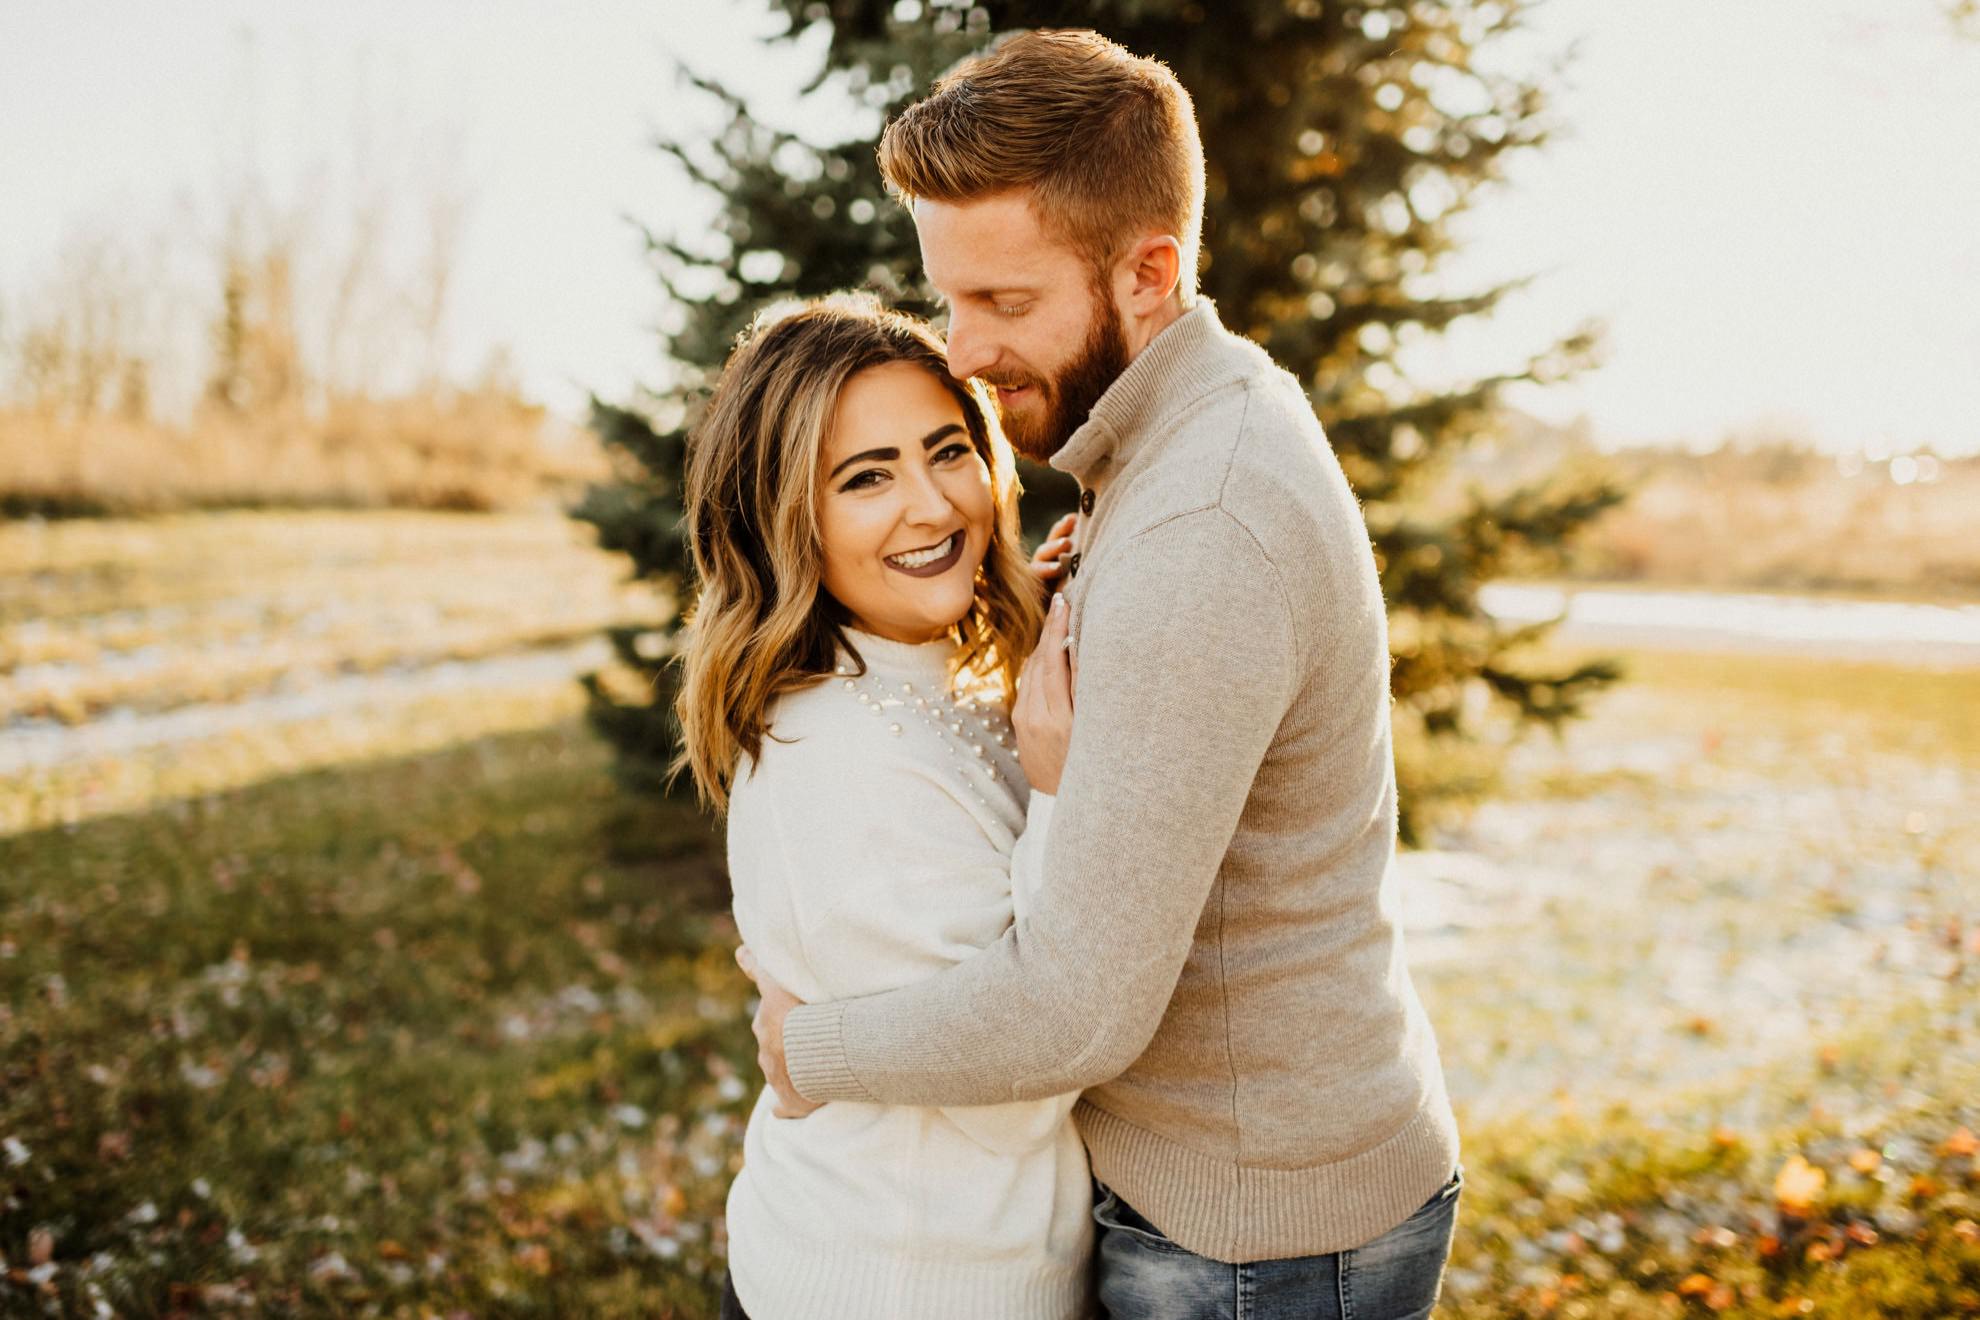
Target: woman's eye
<point x="1011" y="309"/>
<point x="950" y="453"/>
<point x="870" y="477"/>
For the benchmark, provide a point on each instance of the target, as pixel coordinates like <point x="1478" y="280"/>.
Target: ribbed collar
<point x="1191" y="357"/>
<point x="928" y="663"/>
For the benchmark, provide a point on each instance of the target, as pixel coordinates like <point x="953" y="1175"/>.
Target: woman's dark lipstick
<point x="939" y="566"/>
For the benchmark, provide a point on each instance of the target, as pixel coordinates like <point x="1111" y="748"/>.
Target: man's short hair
<point x="1106" y="141"/>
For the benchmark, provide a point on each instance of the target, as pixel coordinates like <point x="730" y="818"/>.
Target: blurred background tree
<point x="1342" y="140"/>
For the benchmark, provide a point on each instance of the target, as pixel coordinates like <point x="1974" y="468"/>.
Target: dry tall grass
<point x="466" y="450"/>
<point x="1790" y="520"/>
<point x="271" y="349"/>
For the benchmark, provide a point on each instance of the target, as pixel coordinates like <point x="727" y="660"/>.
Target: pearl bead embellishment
<point x="956" y="724"/>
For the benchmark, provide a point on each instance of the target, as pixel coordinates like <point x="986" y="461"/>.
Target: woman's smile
<point x="930" y="561"/>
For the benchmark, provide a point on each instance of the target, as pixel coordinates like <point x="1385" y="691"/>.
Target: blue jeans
<point x="1144" y="1276"/>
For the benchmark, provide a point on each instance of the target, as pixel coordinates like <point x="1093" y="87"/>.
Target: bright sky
<point x="1774" y="204"/>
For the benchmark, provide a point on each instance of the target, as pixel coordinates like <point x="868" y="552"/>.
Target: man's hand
<point x="1048" y="560"/>
<point x="775" y="1005"/>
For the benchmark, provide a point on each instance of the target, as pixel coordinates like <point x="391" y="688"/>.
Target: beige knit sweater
<point x="1215" y="958"/>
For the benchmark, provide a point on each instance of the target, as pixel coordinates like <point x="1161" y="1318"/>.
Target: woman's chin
<point x="931" y="622"/>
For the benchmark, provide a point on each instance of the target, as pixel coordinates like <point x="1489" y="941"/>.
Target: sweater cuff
<point x="815" y="1056"/>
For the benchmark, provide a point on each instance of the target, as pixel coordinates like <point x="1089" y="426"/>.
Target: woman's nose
<point x="927" y="502"/>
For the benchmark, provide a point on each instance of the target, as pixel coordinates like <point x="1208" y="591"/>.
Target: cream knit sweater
<point x="884" y="839"/>
<point x="1214" y="951"/>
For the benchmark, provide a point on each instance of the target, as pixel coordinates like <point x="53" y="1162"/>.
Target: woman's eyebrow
<point x="928" y="441"/>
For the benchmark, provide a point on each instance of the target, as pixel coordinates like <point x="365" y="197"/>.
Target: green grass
<point x="458" y="1029"/>
<point x="1678" y="1204"/>
<point x="1928" y="712"/>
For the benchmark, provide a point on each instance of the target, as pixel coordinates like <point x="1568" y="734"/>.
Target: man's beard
<point x="1066" y="399"/>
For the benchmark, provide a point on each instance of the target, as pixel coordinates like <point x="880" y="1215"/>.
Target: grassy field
<point x="401" y="1009"/>
<point x="1713" y="1032"/>
<point x="458" y="1027"/>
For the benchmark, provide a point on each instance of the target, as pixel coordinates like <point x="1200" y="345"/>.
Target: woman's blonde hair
<point x="762" y="623"/>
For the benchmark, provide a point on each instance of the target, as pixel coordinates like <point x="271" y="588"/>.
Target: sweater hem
<point x="826" y="1283"/>
<point x="1237" y="1213"/>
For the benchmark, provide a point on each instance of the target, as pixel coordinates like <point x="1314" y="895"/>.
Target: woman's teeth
<point x="917" y="558"/>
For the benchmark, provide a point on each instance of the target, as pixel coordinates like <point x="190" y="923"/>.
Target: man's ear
<point x="1153" y="268"/>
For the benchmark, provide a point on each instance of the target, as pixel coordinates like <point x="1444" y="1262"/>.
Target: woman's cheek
<point x="978" y="504"/>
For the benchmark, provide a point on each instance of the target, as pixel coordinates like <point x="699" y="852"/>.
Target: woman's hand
<point x="1043" y="712"/>
<point x="1046" y="560"/>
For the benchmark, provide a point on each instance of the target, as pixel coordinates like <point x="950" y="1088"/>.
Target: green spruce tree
<point x="1341" y="140"/>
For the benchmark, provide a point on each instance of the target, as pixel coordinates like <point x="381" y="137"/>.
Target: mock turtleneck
<point x="1192" y="357"/>
<point x="930" y="663"/>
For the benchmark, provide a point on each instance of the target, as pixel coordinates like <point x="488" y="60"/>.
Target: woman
<point x="847" y="682"/>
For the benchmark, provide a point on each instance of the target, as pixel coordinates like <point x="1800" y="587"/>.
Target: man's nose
<point x="971" y="351"/>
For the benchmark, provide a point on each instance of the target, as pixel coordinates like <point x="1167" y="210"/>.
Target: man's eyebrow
<point x="888" y="455"/>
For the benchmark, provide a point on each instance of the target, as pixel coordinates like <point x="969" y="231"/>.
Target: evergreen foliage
<point x="1341" y="141"/>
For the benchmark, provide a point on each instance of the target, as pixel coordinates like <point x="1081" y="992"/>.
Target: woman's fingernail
<point x="1058" y="602"/>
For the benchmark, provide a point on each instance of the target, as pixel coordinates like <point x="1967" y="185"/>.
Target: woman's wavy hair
<point x="762" y="622"/>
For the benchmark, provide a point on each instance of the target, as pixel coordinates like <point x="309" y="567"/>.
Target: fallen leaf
<point x="1962" y="1142"/>
<point x="1797" y="1185"/>
<point x="1866" y="1161"/>
<point x="1695" y="1285"/>
<point x="41" y="1247"/>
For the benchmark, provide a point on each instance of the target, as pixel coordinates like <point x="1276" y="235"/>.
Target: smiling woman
<point x="846" y="697"/>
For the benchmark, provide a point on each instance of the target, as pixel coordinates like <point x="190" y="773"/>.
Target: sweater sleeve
<point x="1021" y="1125"/>
<point x="1188" y="662"/>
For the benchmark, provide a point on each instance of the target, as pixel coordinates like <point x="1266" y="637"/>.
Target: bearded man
<point x="1216" y="961"/>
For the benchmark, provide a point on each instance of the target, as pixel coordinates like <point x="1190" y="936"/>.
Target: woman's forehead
<point x="893" y="404"/>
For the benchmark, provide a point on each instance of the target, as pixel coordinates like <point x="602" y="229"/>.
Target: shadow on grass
<point x="459" y="1027"/>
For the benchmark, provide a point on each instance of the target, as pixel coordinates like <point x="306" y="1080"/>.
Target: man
<point x="1216" y="960"/>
